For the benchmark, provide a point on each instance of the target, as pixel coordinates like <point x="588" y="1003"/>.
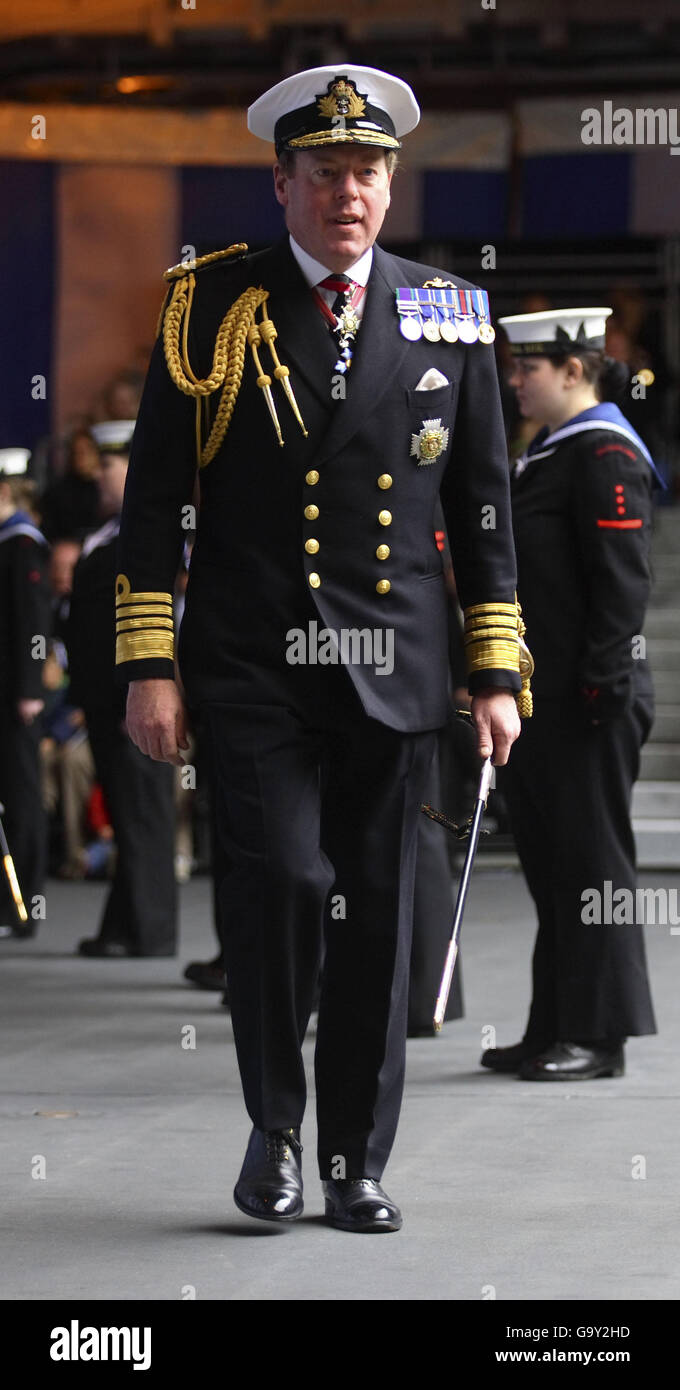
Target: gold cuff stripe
<point x="497" y="655"/>
<point x="144" y="598"/>
<point x="480" y="626"/>
<point x="134" y="610"/>
<point x="135" y="646"/>
<point x="127" y="624"/>
<point x="489" y="609"/>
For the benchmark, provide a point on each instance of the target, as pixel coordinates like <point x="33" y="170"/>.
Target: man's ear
<point x="280" y="185"/>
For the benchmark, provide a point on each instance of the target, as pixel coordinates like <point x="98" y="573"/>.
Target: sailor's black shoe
<point x="566" y="1061"/>
<point x="270" y="1182"/>
<point x="509" y="1058"/>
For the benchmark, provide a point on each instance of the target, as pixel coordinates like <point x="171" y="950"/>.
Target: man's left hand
<point x="495" y="717"/>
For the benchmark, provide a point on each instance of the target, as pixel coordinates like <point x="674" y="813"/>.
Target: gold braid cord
<point x="238" y="328"/>
<point x="494" y="639"/>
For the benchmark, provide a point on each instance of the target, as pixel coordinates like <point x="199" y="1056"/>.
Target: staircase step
<point x="662" y="622"/>
<point x="666" y="687"/>
<point x="664" y="653"/>
<point x="656" y="800"/>
<point x="666" y="727"/>
<point x="657" y="843"/>
<point x="666" y="526"/>
<point x="661" y="762"/>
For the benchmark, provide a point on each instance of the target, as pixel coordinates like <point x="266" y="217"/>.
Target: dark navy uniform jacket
<point x="582" y="516"/>
<point x="24" y="609"/>
<point x="249" y="583"/>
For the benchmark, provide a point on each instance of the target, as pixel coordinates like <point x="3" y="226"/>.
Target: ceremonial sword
<point x="470" y="831"/>
<point x="11" y="873"/>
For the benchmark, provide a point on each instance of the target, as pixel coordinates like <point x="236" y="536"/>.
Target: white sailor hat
<point x="113" y="436"/>
<point x="341" y="104"/>
<point x="555" y="331"/>
<point x="14" y="462"/>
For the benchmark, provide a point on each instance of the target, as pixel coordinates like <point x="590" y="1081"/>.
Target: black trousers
<point x="141" y="908"/>
<point x="568" y="789"/>
<point x="318" y="828"/>
<point x="24" y="817"/>
<point x="433" y="912"/>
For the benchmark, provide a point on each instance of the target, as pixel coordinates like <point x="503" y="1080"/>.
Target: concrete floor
<point x="523" y="1187"/>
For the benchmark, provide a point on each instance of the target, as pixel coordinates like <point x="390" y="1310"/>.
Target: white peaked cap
<point x="113" y="434"/>
<point x="302" y="111"/>
<point x="14" y="461"/>
<point x="553" y="330"/>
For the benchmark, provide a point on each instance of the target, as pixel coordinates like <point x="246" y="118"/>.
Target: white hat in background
<point x="113" y="436"/>
<point x="555" y="331"/>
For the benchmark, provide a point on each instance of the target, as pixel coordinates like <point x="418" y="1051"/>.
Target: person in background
<point x="70" y="504"/>
<point x="582" y="514"/>
<point x="140" y="915"/>
<point x="25" y="625"/>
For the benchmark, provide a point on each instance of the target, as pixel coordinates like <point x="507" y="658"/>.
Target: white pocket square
<point x="431" y="380"/>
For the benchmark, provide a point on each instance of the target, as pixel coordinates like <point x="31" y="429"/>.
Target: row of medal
<point x="442" y="311"/>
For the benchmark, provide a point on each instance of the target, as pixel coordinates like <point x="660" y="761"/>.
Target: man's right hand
<point x="156" y="720"/>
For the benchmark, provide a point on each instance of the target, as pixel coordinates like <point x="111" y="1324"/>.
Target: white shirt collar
<point x="314" y="272"/>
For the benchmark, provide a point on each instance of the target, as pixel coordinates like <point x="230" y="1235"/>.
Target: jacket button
<point x="383" y="586"/>
<point x="311" y="546"/>
<point x="385" y="481"/>
<point x="312" y="477"/>
<point x="311" y="512"/>
<point x="382" y="552"/>
<point x="315" y="580"/>
<point x="385" y="518"/>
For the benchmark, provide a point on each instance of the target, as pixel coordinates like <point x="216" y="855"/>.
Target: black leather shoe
<point x="207" y="974"/>
<point x="359" y="1204"/>
<point x="509" y="1058"/>
<point x="114" y="950"/>
<point x="566" y="1061"/>
<point x="270" y="1181"/>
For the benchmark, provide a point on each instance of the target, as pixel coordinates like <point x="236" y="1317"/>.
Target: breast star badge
<point x="430" y="443"/>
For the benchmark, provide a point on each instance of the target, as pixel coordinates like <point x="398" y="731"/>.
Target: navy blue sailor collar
<point x="605" y="415"/>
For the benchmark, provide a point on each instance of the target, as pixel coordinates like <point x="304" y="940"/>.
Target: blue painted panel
<point x="464" y="203"/>
<point x="580" y="195"/>
<point x="27" y="298"/>
<point x="220" y="206"/>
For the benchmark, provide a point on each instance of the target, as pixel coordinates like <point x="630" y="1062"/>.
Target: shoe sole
<point x="580" y="1076"/>
<point x="260" y="1216"/>
<point x="505" y="1068"/>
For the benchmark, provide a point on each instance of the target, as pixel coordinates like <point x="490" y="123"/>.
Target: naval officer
<point x="328" y="393"/>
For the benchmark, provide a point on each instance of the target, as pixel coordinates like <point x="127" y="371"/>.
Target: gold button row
<point x="385" y="518"/>
<point x="311" y="514"/>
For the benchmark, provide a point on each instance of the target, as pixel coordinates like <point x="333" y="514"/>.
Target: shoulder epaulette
<point x="175" y="272"/>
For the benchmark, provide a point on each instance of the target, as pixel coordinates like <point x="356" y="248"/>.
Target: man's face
<point x="62" y="563"/>
<point x="335" y="201"/>
<point x="112" y="483"/>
